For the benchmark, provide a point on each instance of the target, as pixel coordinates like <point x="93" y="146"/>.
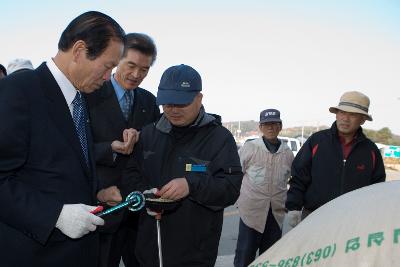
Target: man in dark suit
<point x="47" y="183"/>
<point x="118" y="111"/>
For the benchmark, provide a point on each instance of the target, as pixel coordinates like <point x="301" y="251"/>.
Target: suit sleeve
<point x="22" y="206"/>
<point x="219" y="187"/>
<point x="103" y="154"/>
<point x="300" y="177"/>
<point x="132" y="178"/>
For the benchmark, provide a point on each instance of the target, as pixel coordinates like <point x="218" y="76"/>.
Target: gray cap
<point x="19" y="64"/>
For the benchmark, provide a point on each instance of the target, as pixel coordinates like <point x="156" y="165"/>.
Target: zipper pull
<point x="344" y="162"/>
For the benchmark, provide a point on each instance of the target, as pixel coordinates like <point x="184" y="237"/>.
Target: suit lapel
<point x="137" y="111"/>
<point x="91" y="158"/>
<point x="60" y="113"/>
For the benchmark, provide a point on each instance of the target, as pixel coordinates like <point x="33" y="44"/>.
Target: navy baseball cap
<point x="178" y="85"/>
<point x="270" y="115"/>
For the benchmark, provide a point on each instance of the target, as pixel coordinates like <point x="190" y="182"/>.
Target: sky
<point x="296" y="56"/>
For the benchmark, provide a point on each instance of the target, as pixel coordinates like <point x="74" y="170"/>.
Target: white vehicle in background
<point x="292" y="143"/>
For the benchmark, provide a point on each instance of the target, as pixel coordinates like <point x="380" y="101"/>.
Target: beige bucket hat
<point x="355" y="102"/>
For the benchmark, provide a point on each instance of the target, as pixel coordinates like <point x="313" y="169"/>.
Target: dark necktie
<point x="127" y="104"/>
<point x="78" y="115"/>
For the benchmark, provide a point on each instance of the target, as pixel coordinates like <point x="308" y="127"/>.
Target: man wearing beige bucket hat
<point x="334" y="161"/>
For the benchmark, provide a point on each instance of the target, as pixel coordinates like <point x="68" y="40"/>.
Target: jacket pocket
<point x="256" y="174"/>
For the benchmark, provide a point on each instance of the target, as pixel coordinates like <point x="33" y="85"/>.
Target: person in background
<point x="47" y="182"/>
<point x="3" y="72"/>
<point x="189" y="157"/>
<point x="266" y="163"/>
<point x="118" y="111"/>
<point x="19" y="64"/>
<point x="334" y="161"/>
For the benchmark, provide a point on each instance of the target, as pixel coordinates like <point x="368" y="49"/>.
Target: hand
<point x="110" y="195"/>
<point x="155" y="192"/>
<point x="291" y="220"/>
<point x="75" y="220"/>
<point x="175" y="189"/>
<point x="130" y="137"/>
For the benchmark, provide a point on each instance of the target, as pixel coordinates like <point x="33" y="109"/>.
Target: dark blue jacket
<point x="205" y="153"/>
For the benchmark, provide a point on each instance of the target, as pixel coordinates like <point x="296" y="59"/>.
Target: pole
<point x="160" y="257"/>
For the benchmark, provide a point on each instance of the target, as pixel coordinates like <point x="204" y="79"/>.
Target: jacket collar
<point x="360" y="136"/>
<point x="203" y="119"/>
<point x="260" y="142"/>
<point x="60" y="113"/>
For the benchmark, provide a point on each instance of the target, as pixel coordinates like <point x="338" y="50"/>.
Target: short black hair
<point x="95" y="29"/>
<point x="3" y="70"/>
<point x="142" y="43"/>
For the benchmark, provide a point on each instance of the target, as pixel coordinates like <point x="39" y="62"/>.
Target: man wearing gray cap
<point x="186" y="156"/>
<point x="335" y="161"/>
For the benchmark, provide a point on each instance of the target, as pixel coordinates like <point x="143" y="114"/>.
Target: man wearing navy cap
<point x="266" y="163"/>
<point x="189" y="157"/>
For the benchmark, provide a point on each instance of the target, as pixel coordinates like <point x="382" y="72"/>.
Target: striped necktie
<point x="127" y="104"/>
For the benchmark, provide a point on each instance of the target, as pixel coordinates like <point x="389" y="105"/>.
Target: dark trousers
<point x="113" y="246"/>
<point x="249" y="240"/>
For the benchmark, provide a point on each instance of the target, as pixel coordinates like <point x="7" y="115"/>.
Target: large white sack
<point x="360" y="228"/>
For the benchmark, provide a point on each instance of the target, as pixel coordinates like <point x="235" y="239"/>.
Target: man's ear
<point x="200" y="95"/>
<point x="364" y="118"/>
<point x="78" y="50"/>
<point x="198" y="99"/>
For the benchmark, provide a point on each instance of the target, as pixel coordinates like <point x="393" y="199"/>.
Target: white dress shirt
<point x="68" y="90"/>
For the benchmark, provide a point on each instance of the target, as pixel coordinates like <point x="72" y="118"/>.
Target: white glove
<point x="151" y="191"/>
<point x="292" y="218"/>
<point x="75" y="220"/>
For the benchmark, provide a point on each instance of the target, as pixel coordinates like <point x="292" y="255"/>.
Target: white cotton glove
<point x="151" y="191"/>
<point x="75" y="220"/>
<point x="292" y="218"/>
